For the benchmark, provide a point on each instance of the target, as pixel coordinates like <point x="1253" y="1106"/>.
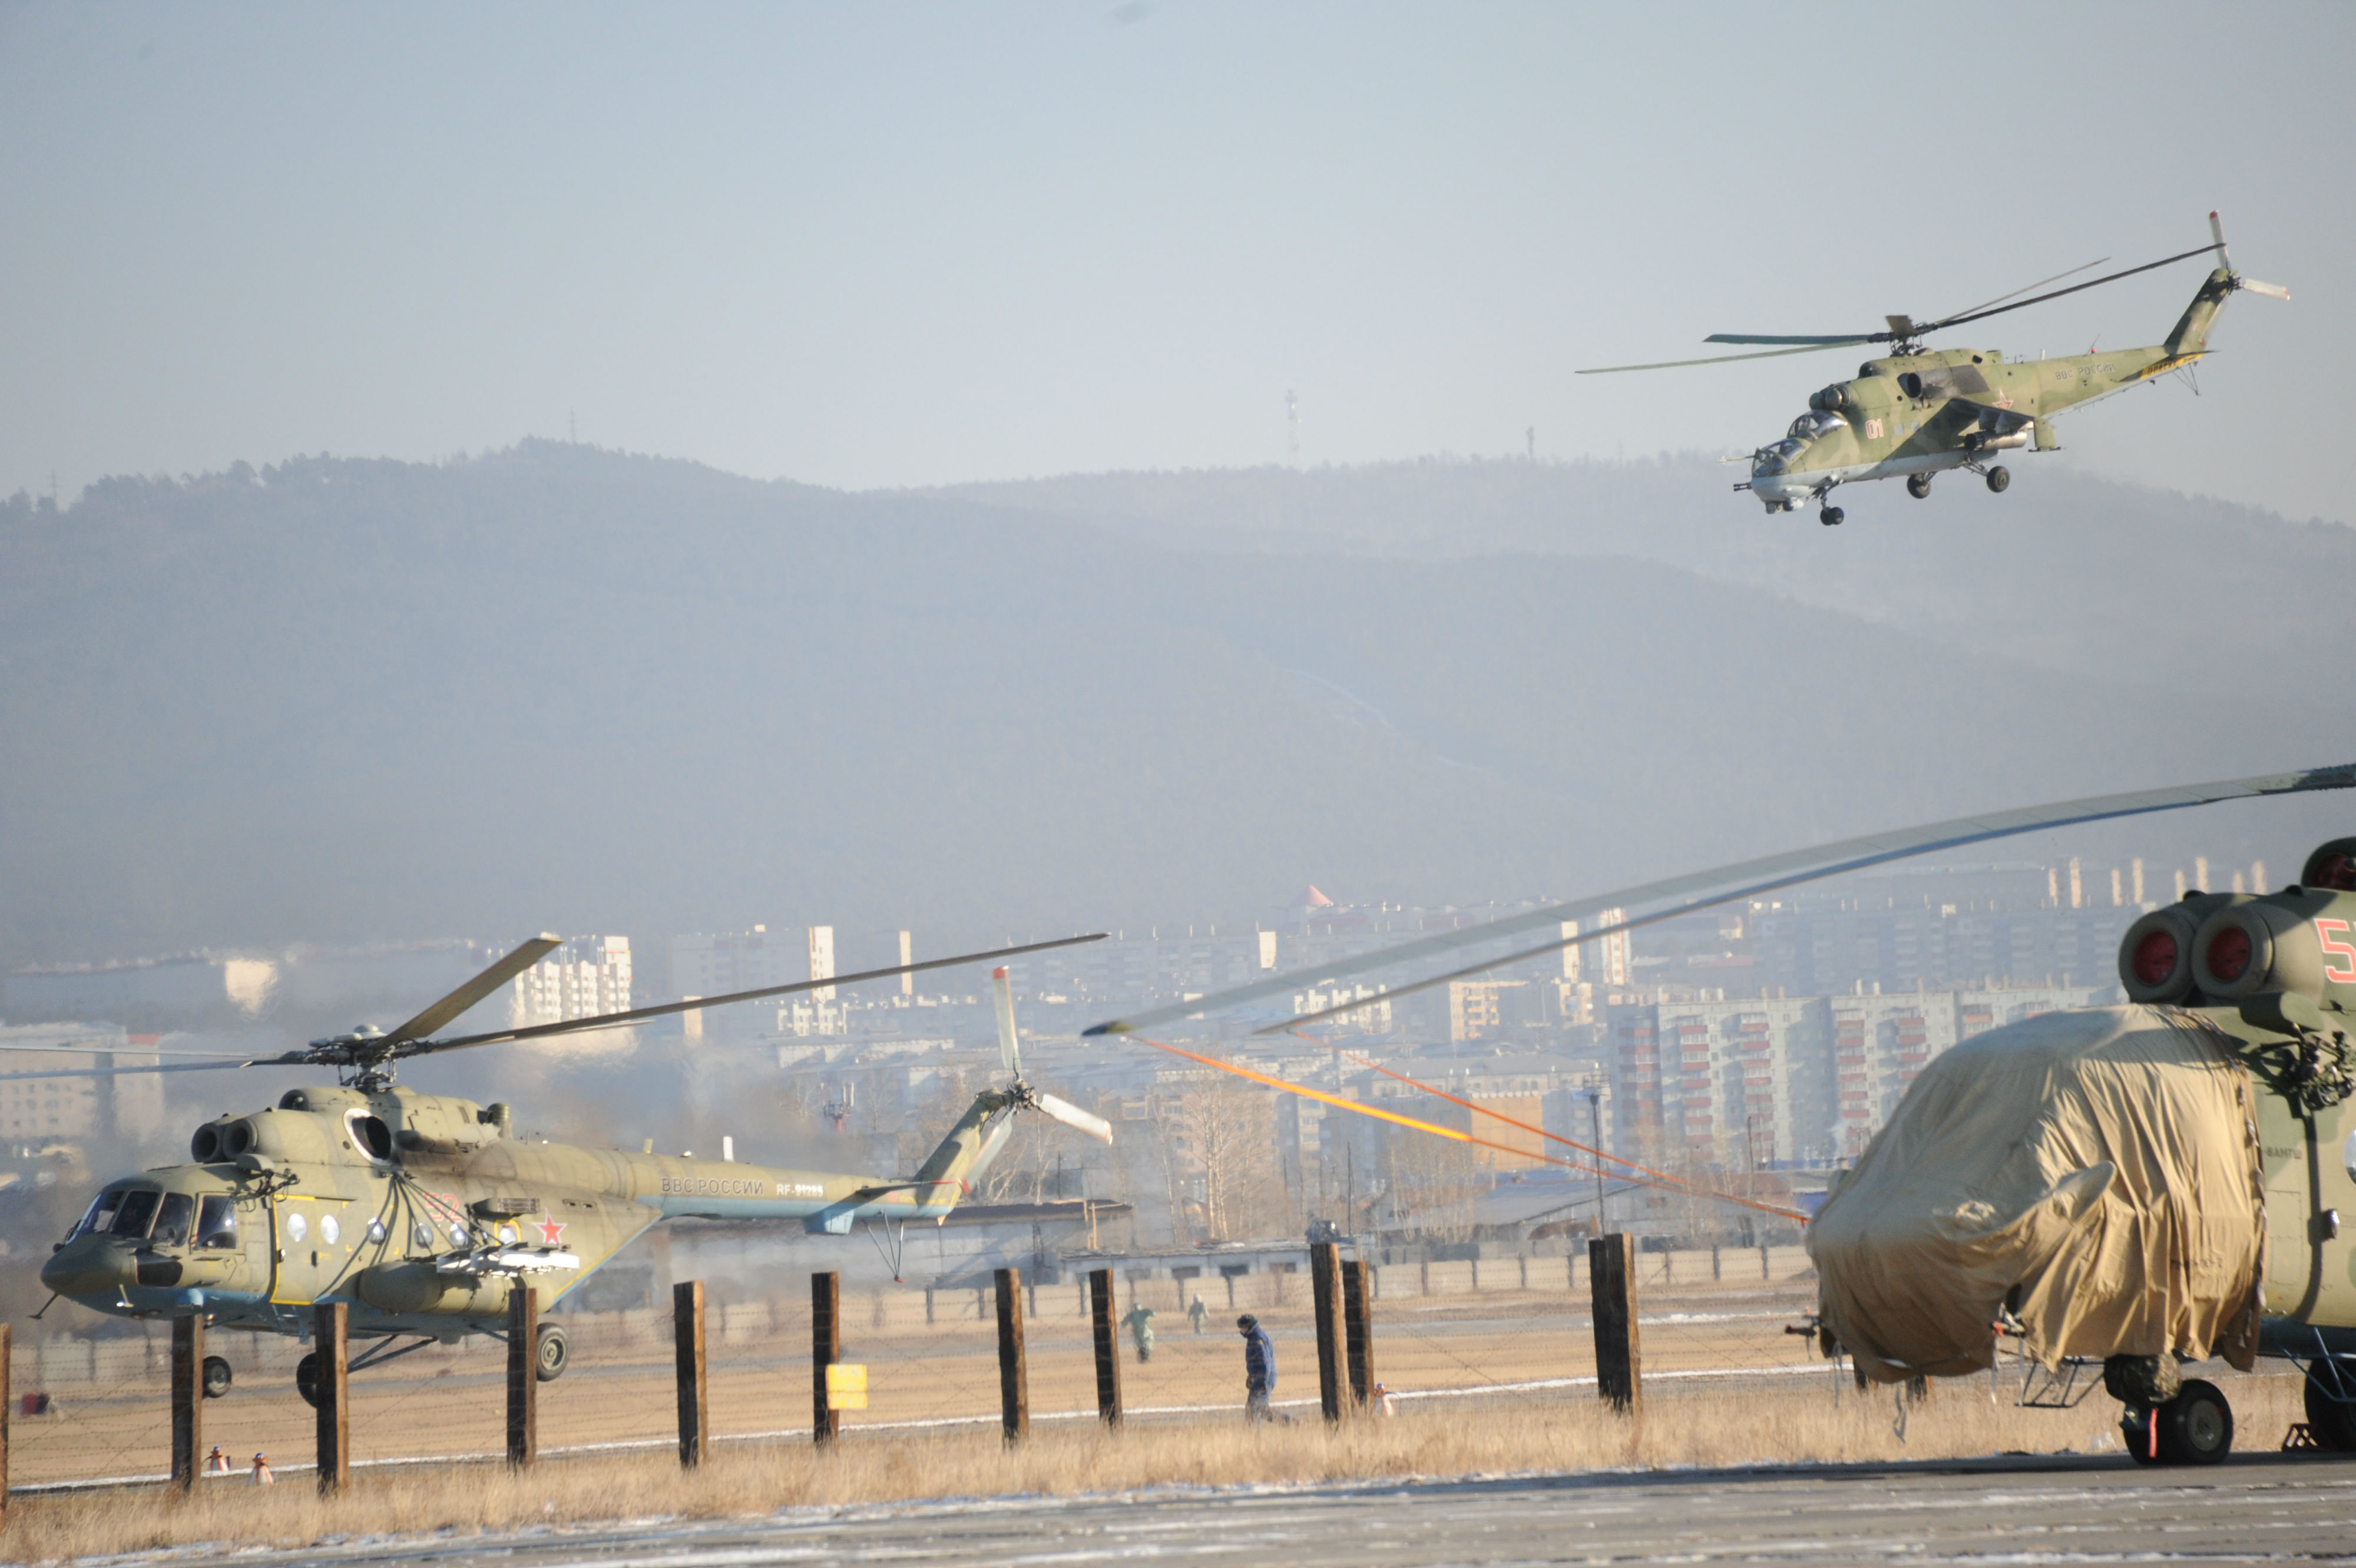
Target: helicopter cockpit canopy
<point x="1816" y="422"/>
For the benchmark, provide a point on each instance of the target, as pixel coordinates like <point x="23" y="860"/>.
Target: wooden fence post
<point x="5" y="1397"/>
<point x="188" y="1401"/>
<point x="523" y="1375"/>
<point x="331" y="1323"/>
<point x="1619" y="1365"/>
<point x="1013" y="1373"/>
<point x="1358" y="1328"/>
<point x="1333" y="1338"/>
<point x="826" y="1349"/>
<point x="1108" y="1338"/>
<point x="695" y="1392"/>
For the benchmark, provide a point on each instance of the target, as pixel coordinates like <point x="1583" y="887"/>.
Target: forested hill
<point x="2062" y="570"/>
<point x="558" y="688"/>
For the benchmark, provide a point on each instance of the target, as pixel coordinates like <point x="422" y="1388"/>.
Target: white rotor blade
<point x="2271" y="290"/>
<point x="1071" y="1116"/>
<point x="2217" y="232"/>
<point x="1009" y="1052"/>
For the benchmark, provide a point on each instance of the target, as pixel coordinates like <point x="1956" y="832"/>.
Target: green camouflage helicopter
<point x="2127" y="1256"/>
<point x="1920" y="411"/>
<point x="425" y="1211"/>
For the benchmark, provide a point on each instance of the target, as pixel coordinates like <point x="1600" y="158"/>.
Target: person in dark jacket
<point x="1259" y="1367"/>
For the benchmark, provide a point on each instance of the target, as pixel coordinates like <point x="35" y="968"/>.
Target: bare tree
<point x="1230" y="1136"/>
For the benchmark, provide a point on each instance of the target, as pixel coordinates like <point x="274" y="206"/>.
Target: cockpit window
<point x="138" y="1211"/>
<point x="1816" y="422"/>
<point x="217" y="1222"/>
<point x="172" y="1219"/>
<point x="99" y="1220"/>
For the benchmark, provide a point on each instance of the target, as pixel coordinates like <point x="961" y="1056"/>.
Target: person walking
<point x="217" y="1462"/>
<point x="1140" y="1324"/>
<point x="1260" y="1368"/>
<point x="261" y="1476"/>
<point x="1197" y="1312"/>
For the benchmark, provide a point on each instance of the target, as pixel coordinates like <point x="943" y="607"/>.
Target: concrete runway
<point x="2258" y="1509"/>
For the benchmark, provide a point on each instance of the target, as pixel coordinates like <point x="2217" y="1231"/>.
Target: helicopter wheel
<point x="1918" y="486"/>
<point x="1998" y="477"/>
<point x="1831" y="516"/>
<point x="555" y="1350"/>
<point x="2195" y="1427"/>
<point x="217" y="1378"/>
<point x="306" y="1380"/>
<point x="2332" y="1423"/>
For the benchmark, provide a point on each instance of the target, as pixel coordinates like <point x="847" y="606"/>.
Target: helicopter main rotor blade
<point x="474" y="991"/>
<point x="132" y="1051"/>
<point x="1980" y="315"/>
<point x="1009" y="1048"/>
<point x="2024" y="288"/>
<point x="664" y="1010"/>
<point x="166" y="1066"/>
<point x="1071" y="1116"/>
<point x="1748" y="879"/>
<point x="1814" y="345"/>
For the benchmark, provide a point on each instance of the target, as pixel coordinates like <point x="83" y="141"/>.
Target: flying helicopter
<point x="1915" y="412"/>
<point x="425" y="1211"/>
<point x="2133" y="1187"/>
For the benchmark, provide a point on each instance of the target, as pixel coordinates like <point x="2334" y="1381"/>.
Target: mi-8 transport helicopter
<point x="425" y="1211"/>
<point x="2134" y="1186"/>
<point x="1918" y="410"/>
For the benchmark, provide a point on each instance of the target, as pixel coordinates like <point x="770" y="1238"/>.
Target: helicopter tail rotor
<point x="1071" y="1116"/>
<point x="1010" y="1050"/>
<point x="2224" y="260"/>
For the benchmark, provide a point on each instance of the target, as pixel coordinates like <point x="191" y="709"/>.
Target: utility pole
<point x="1595" y="1120"/>
<point x="1292" y="430"/>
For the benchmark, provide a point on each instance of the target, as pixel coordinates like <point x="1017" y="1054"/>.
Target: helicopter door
<point x="296" y="1228"/>
<point x="261" y="1264"/>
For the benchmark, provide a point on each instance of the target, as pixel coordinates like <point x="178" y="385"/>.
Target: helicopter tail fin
<point x="2192" y="333"/>
<point x="951" y="1169"/>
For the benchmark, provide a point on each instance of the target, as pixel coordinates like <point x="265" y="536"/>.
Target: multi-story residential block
<point x="585" y="977"/>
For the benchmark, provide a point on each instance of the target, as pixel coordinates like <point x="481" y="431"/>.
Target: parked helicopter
<point x="426" y="1211"/>
<point x="1919" y="410"/>
<point x="2171" y="1182"/>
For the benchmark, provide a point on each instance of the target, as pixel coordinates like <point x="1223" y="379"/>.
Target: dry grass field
<point x="1493" y="1380"/>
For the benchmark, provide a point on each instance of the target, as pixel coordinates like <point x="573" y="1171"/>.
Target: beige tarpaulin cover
<point x="2104" y="1161"/>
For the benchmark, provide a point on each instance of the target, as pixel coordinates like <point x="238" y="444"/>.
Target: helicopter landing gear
<point x="2332" y="1421"/>
<point x="2195" y="1427"/>
<point x="217" y="1378"/>
<point x="1998" y="477"/>
<point x="1831" y="516"/>
<point x="555" y="1350"/>
<point x="1918" y="486"/>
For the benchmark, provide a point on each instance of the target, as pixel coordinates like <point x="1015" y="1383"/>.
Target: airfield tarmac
<point x="2254" y="1509"/>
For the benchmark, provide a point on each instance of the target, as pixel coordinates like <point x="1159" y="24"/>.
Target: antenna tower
<point x="1292" y="428"/>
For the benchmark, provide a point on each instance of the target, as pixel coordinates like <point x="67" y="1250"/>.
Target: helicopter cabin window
<point x="101" y="1217"/>
<point x="217" y="1222"/>
<point x="172" y="1219"/>
<point x="138" y="1211"/>
<point x="1816" y="422"/>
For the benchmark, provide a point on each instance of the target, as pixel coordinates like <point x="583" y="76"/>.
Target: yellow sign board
<point x="846" y="1387"/>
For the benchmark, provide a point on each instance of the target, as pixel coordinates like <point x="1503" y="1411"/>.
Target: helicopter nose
<point x="84" y="1268"/>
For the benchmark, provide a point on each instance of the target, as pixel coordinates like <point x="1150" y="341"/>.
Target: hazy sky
<point x="886" y="246"/>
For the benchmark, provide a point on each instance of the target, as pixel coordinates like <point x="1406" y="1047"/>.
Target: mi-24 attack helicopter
<point x="425" y="1211"/>
<point x="2128" y="1187"/>
<point x="1917" y="411"/>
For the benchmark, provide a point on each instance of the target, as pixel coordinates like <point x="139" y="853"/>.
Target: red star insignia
<point x="551" y="1231"/>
